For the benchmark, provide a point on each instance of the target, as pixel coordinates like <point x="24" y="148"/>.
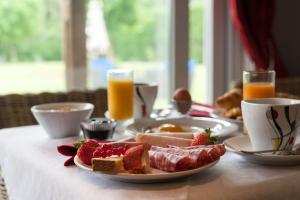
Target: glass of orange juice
<point x="258" y="84"/>
<point x="120" y="94"/>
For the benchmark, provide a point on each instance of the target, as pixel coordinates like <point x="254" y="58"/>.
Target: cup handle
<point x="144" y="109"/>
<point x="83" y="130"/>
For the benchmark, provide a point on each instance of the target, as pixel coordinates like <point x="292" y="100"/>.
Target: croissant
<point x="286" y="95"/>
<point x="230" y="99"/>
<point x="231" y="102"/>
<point x="233" y="113"/>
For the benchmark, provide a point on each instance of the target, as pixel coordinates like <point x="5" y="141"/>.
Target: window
<point x="132" y="34"/>
<point x="196" y="67"/>
<point x="135" y="34"/>
<point x="30" y="47"/>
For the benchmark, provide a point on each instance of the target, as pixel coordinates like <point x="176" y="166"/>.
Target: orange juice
<point x="258" y="90"/>
<point x="120" y="99"/>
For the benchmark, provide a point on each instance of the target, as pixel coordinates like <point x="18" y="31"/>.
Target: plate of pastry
<point x="233" y="115"/>
<point x="229" y="106"/>
<point x="148" y="158"/>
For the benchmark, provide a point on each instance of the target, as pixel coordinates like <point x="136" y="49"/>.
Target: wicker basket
<point x="3" y="193"/>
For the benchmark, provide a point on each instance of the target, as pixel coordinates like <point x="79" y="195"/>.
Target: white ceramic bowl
<point x="62" y="119"/>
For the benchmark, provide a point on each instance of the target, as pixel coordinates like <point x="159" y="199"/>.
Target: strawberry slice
<point x="133" y="159"/>
<point x="204" y="138"/>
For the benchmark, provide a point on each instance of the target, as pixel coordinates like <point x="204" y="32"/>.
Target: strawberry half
<point x="204" y="138"/>
<point x="86" y="150"/>
<point x="134" y="159"/>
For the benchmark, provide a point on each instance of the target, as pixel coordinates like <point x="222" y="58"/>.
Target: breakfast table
<point x="33" y="169"/>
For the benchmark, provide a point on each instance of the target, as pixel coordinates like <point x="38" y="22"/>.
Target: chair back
<point x="15" y="108"/>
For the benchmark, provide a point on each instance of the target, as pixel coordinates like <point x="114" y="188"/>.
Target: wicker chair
<point x="15" y="109"/>
<point x="3" y="193"/>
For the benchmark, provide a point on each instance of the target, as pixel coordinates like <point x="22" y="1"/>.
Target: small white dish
<point x="219" y="127"/>
<point x="62" y="119"/>
<point x="242" y="143"/>
<point x="155" y="175"/>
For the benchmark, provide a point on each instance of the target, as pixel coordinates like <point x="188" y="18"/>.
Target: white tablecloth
<point x="33" y="170"/>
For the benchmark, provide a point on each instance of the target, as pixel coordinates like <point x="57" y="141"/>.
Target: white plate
<point x="155" y="175"/>
<point x="159" y="113"/>
<point x="236" y="144"/>
<point x="191" y="124"/>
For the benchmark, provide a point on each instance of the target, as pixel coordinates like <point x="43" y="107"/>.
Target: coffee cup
<point x="144" y="98"/>
<point x="272" y="123"/>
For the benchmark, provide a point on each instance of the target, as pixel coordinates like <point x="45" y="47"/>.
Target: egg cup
<point x="182" y="106"/>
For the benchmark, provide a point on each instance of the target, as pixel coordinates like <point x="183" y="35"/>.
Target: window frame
<point x="179" y="44"/>
<point x="214" y="54"/>
<point x="73" y="20"/>
<point x="223" y="55"/>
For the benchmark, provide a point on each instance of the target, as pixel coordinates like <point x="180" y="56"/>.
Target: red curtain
<point x="253" y="20"/>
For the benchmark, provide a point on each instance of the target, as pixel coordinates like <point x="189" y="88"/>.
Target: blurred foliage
<point x="131" y="32"/>
<point x="196" y="30"/>
<point x="30" y="29"/>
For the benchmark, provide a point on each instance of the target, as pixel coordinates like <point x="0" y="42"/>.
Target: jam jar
<point x="98" y="128"/>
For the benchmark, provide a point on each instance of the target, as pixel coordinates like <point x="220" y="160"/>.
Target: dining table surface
<point x="34" y="170"/>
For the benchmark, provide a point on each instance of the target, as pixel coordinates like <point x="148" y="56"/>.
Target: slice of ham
<point x="198" y="157"/>
<point x="219" y="147"/>
<point x="183" y="158"/>
<point x="169" y="162"/>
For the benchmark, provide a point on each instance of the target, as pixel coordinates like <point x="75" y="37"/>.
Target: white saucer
<point x="238" y="143"/>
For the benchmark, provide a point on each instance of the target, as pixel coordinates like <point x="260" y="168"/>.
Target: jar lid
<point x="97" y="124"/>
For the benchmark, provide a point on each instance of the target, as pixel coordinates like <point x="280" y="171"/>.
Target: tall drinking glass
<point x="120" y="94"/>
<point x="258" y="84"/>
